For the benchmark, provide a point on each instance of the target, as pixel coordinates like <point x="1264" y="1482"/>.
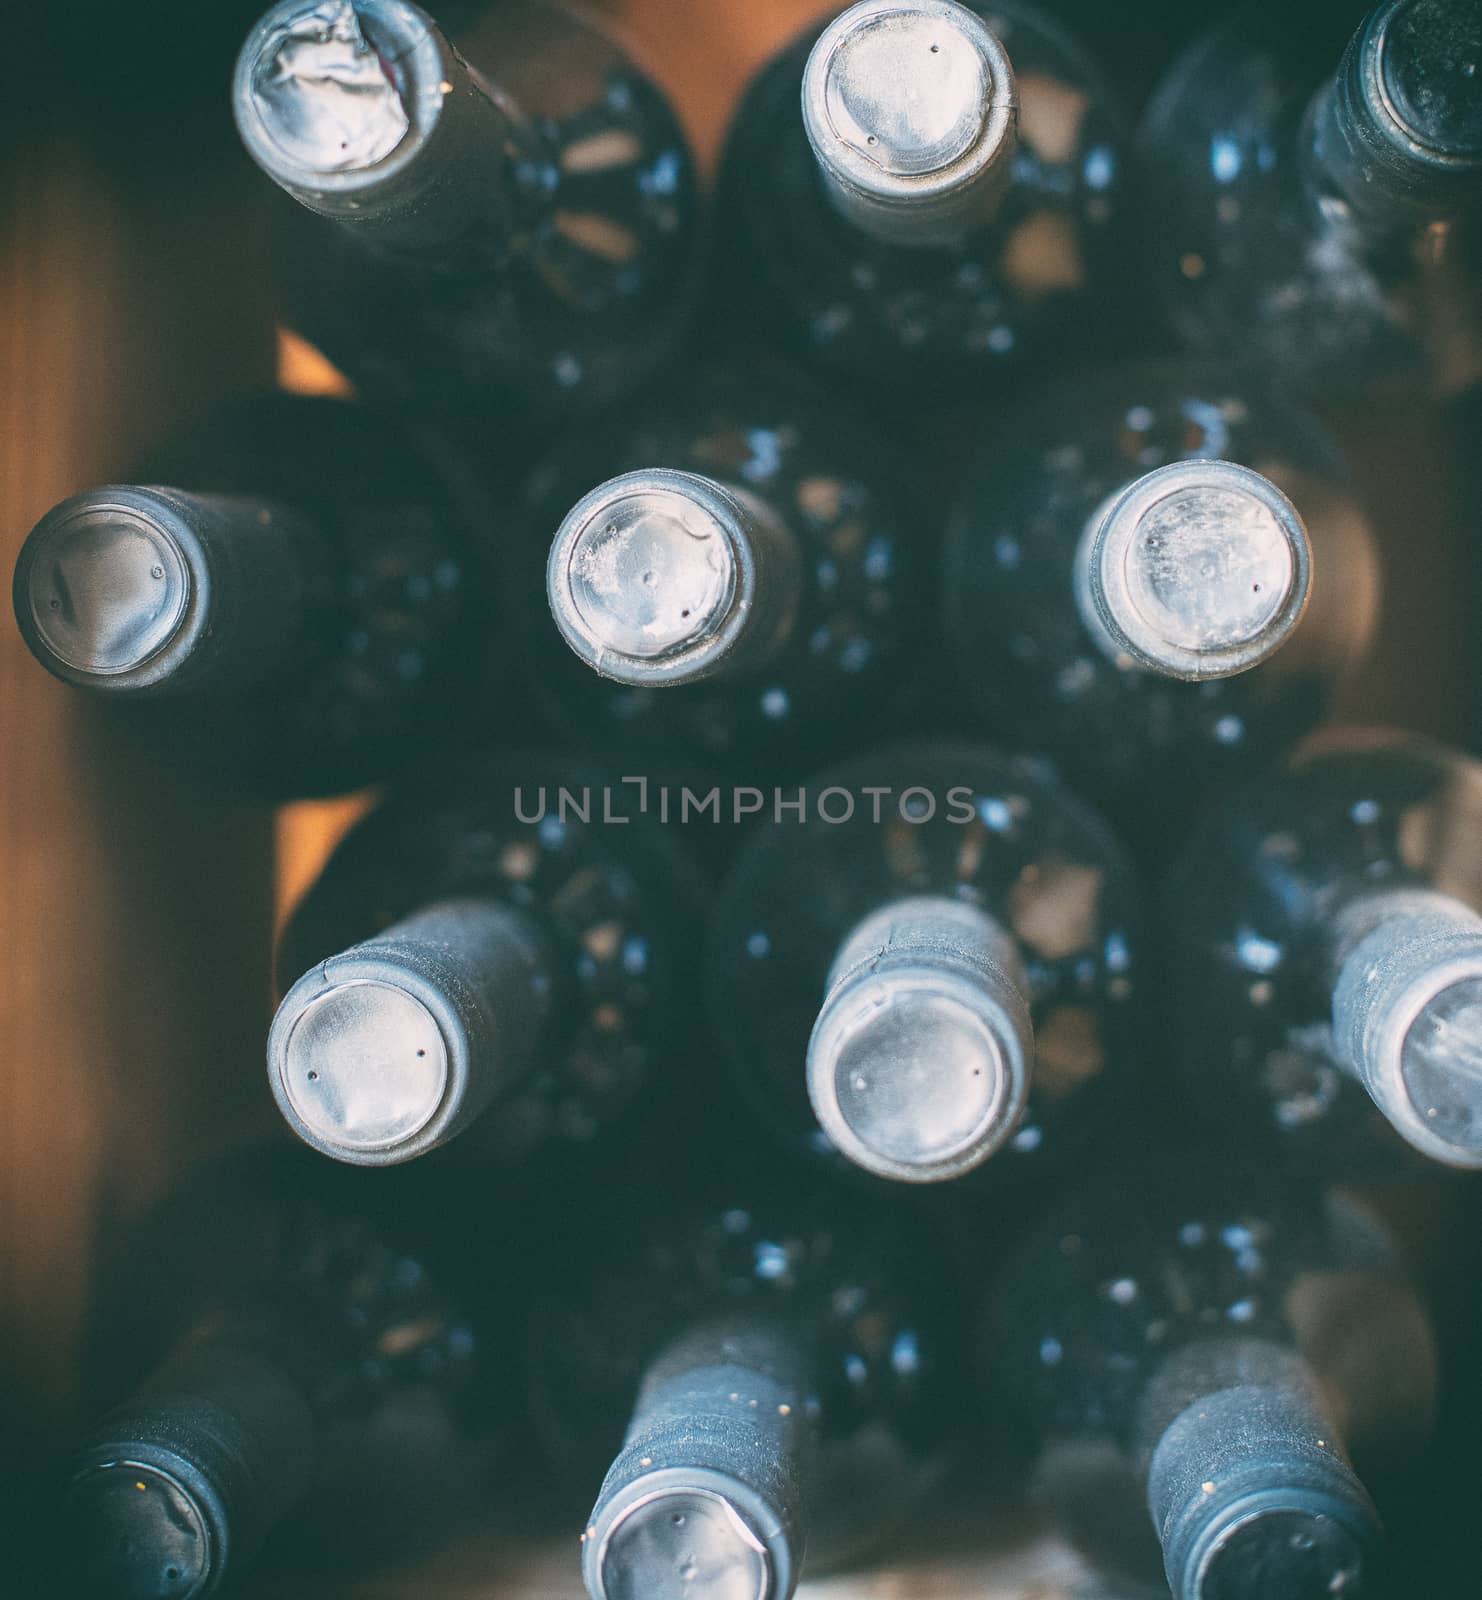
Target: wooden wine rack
<point x="136" y="910"/>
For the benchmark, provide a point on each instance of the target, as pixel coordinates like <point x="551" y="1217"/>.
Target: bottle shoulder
<point x="517" y="825"/>
<point x="403" y="534"/>
<point x="949" y="818"/>
<point x="1350" y="810"/>
<point x="1250" y="903"/>
<point x="1038" y="479"/>
<point x="330" y="458"/>
<point x="1089" y="1312"/>
<point x="270" y="1249"/>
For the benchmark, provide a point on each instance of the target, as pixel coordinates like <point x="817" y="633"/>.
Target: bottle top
<point x="1441" y="1061"/>
<point x="1398" y="131"/>
<point x="332" y="95"/>
<point x="672" y="1542"/>
<point x="651" y="577"/>
<point x="392" y="1047"/>
<point x="1430" y="74"/>
<point x="104" y="587"/>
<point x="1249" y="1484"/>
<point x="148" y="1537"/>
<point x="911" y="1077"/>
<point x="1198" y="570"/>
<point x="362" y="1067"/>
<point x="1407" y="1016"/>
<point x="1311" y="1546"/>
<point x="911" y="104"/>
<point x="918" y="1066"/>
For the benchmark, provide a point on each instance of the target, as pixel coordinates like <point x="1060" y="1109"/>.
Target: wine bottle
<point x="1326" y="955"/>
<point x="937" y="953"/>
<point x="283" y="594"/>
<point x="245" y="1430"/>
<point x="739" y="581"/>
<point x="1214" y="1348"/>
<point x="503" y="958"/>
<point x="793" y="1390"/>
<point x="1127" y="576"/>
<point x="511" y="218"/>
<point x="1327" y="225"/>
<point x="949" y="199"/>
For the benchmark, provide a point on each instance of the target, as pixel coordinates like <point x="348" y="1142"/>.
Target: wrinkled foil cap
<point x="1198" y="570"/>
<point x="324" y="94"/>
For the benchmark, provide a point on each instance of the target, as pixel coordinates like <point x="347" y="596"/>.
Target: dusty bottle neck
<point x="1248" y="1485"/>
<point x="366" y="115"/>
<point x="1396" y="135"/>
<point x="397" y="1045"/>
<point x="191" y="1475"/>
<point x="919" y="1063"/>
<point x="710" y="1490"/>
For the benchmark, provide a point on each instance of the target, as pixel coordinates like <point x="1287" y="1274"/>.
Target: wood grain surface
<point x="134" y="911"/>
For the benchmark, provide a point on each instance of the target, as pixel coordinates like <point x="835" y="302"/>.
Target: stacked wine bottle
<point x="872" y="978"/>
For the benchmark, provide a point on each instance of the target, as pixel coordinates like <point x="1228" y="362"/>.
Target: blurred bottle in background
<point x="773" y="1383"/>
<point x="1325" y="957"/>
<point x="328" y="1396"/>
<point x="1201" y="1344"/>
<point x="1326" y="224"/>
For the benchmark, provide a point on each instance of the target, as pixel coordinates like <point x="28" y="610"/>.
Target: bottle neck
<point x="711" y="1488"/>
<point x="397" y="1045"/>
<point x="192" y="1474"/>
<point x="659" y="578"/>
<point x="195" y="1470"/>
<point x="912" y="112"/>
<point x="919" y="1062"/>
<point x="1198" y="570"/>
<point x="1249" y="1489"/>
<point x="366" y="115"/>
<point x="1396" y="136"/>
<point x="133" y="591"/>
<point x="1407" y="1014"/>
